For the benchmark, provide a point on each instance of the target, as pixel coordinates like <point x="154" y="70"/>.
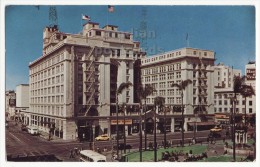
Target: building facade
<point x="162" y="70"/>
<point x="10" y="100"/>
<point x="22" y="102"/>
<point x="223" y="91"/>
<point x="73" y="85"/>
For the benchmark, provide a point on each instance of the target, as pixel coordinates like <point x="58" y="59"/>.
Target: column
<point x="172" y="124"/>
<point x="236" y="137"/>
<point x="246" y="138"/>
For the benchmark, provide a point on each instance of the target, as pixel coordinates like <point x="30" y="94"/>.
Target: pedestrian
<point x="76" y="150"/>
<point x="71" y="153"/>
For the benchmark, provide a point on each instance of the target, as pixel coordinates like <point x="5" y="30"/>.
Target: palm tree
<point x="237" y="89"/>
<point x="120" y="89"/>
<point x="247" y="91"/>
<point x="158" y="103"/>
<point x="182" y="86"/>
<point x="143" y="92"/>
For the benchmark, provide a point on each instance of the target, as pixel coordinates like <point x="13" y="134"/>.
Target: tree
<point x="143" y="92"/>
<point x="182" y="86"/>
<point x="237" y="89"/>
<point x="247" y="91"/>
<point x="158" y="103"/>
<point x="123" y="86"/>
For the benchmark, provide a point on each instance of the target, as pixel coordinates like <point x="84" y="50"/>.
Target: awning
<point x="201" y="123"/>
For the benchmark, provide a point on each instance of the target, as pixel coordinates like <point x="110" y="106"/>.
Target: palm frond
<point x="123" y="86"/>
<point x="159" y="101"/>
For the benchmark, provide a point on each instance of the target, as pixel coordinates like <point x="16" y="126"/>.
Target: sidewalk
<point x="45" y="136"/>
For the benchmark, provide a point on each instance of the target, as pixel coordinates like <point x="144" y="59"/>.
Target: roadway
<point x="21" y="143"/>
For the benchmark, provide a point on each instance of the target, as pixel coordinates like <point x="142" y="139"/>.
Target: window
<point x="98" y="33"/>
<point x="250" y="110"/>
<point x="127" y="36"/>
<point x="250" y="103"/>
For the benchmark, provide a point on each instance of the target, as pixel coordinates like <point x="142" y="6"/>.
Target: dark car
<point x="120" y="136"/>
<point x="121" y="146"/>
<point x="23" y="128"/>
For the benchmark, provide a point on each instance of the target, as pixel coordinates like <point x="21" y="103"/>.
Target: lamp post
<point x="164" y="128"/>
<point x="195" y="126"/>
<point x="140" y="133"/>
<point x="154" y="129"/>
<point x="124" y="106"/>
<point x="93" y="134"/>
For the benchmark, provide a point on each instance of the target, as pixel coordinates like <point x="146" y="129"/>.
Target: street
<point x="21" y="143"/>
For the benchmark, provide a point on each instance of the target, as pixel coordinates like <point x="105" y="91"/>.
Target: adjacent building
<point x="162" y="70"/>
<point x="223" y="92"/>
<point x="22" y="101"/>
<point x="10" y="100"/>
<point x="72" y="86"/>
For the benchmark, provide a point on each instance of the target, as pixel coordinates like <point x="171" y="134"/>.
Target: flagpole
<point x="187" y="40"/>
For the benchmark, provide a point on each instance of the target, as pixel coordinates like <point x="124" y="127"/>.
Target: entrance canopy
<point x="201" y="123"/>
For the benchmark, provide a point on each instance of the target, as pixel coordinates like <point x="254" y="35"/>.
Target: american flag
<point x="85" y="17"/>
<point x="111" y="8"/>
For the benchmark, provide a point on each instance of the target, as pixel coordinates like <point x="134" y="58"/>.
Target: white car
<point x="33" y="130"/>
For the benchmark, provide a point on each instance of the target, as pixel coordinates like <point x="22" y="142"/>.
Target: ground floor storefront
<point x="89" y="128"/>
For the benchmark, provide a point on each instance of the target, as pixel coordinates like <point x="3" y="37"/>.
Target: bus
<point x="91" y="156"/>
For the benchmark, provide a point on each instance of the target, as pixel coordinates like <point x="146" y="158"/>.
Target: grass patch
<point x="149" y="155"/>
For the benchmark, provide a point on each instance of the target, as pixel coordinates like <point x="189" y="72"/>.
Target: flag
<point x="85" y="17"/>
<point x="111" y="8"/>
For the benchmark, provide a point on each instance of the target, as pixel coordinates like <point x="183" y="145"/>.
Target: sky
<point x="227" y="30"/>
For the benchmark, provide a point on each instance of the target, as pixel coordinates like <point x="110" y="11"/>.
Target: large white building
<point x="73" y="84"/>
<point x="223" y="91"/>
<point x="162" y="70"/>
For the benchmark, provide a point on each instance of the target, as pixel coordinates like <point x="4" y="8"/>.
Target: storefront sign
<point x="121" y="122"/>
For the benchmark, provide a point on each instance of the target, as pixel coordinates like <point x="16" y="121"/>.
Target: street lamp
<point x="93" y="136"/>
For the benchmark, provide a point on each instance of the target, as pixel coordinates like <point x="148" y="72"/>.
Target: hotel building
<point x="73" y="84"/>
<point x="162" y="70"/>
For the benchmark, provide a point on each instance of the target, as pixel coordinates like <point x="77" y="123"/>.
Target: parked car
<point x="115" y="137"/>
<point x="102" y="137"/>
<point x="121" y="146"/>
<point x="216" y="129"/>
<point x="33" y="130"/>
<point x="23" y="127"/>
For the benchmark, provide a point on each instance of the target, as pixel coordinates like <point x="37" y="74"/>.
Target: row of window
<point x="228" y="102"/>
<point x="48" y="82"/>
<point x="47" y="63"/>
<point x="250" y="110"/>
<point x="48" y="99"/>
<point x="48" y="110"/>
<point x="161" y="69"/>
<point x="169" y="76"/>
<point x="178" y="53"/>
<point x="47" y="91"/>
<point x="109" y="34"/>
<point x="169" y="100"/>
<point x="47" y="73"/>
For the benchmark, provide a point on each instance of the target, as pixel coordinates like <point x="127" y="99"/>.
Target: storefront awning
<point x="201" y="123"/>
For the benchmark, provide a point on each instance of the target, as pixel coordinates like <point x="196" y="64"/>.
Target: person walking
<point x="71" y="154"/>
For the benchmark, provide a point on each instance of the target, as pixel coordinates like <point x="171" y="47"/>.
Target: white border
<point x="105" y="2"/>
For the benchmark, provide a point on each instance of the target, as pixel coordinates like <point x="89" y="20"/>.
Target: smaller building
<point x="10" y="103"/>
<point x="22" y="102"/>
